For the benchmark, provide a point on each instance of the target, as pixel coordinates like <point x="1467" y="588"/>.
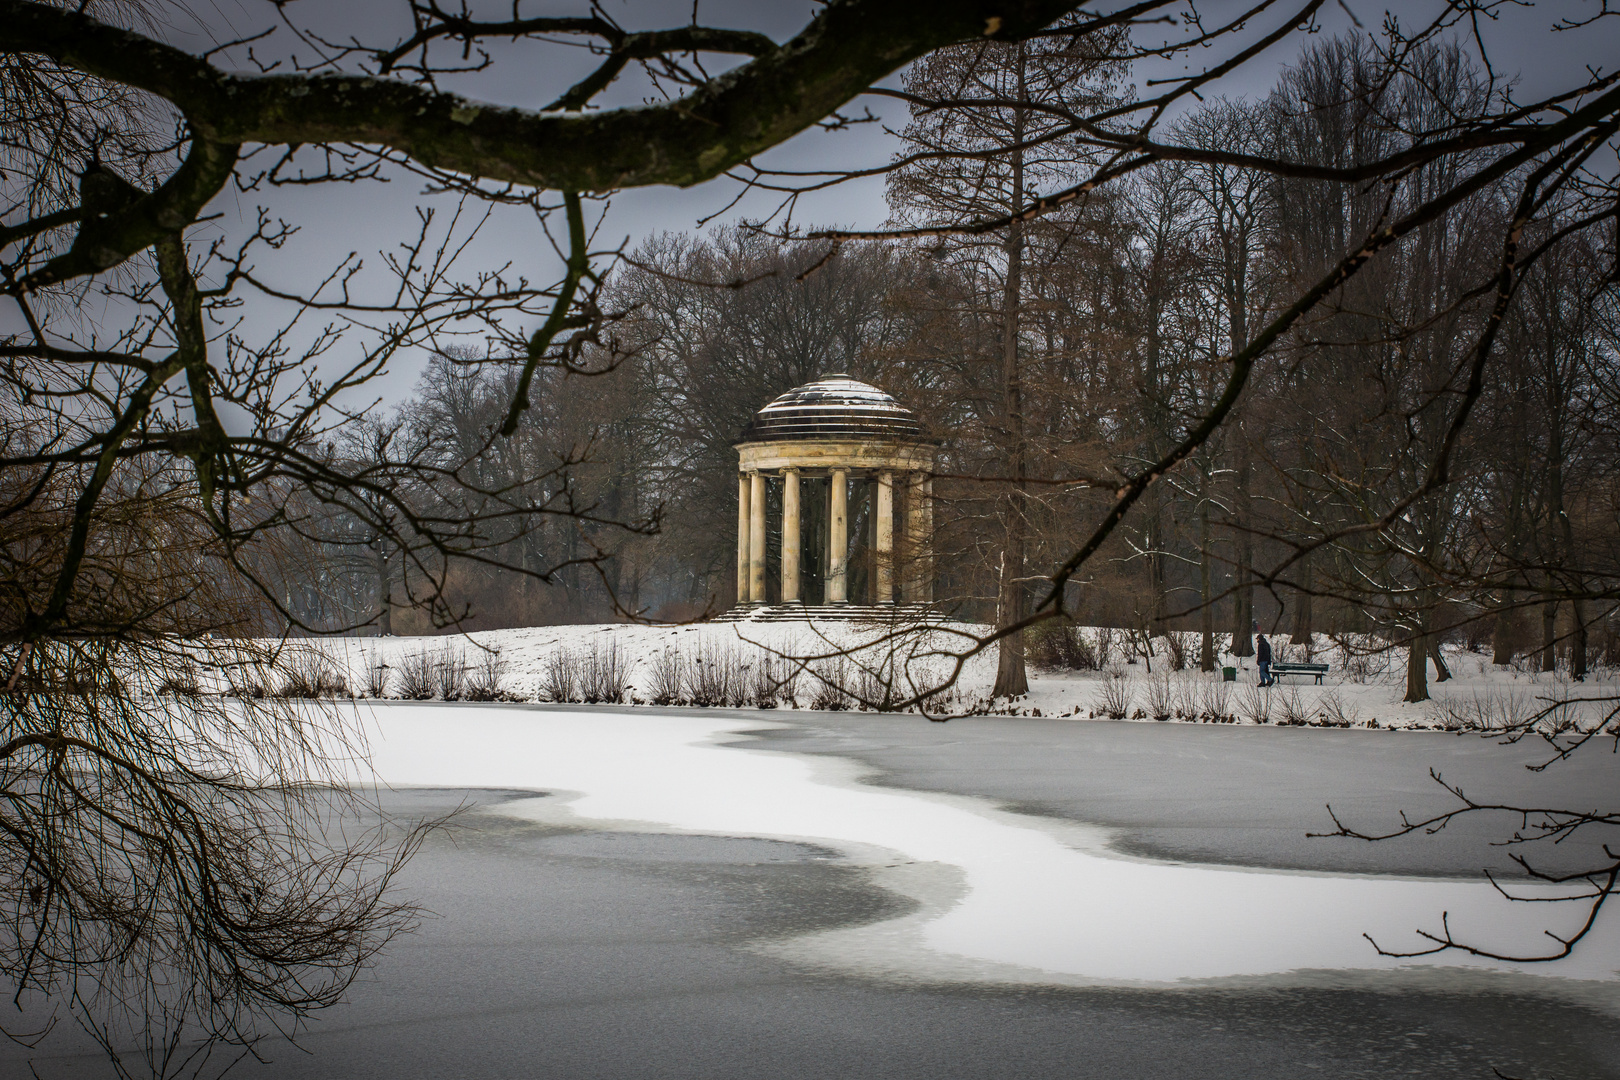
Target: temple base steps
<point x="889" y="615"/>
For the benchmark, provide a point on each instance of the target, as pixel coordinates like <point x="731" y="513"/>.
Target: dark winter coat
<point x="1262" y="650"/>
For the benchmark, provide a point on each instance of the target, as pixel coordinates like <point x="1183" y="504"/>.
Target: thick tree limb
<point x="108" y="238"/>
<point x="851" y="44"/>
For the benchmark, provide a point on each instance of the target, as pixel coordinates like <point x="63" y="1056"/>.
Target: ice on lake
<point x="1001" y="896"/>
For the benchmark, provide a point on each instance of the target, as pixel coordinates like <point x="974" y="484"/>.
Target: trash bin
<point x="1229" y="674"/>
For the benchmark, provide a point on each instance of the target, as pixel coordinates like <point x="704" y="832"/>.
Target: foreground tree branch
<point x="850" y="45"/>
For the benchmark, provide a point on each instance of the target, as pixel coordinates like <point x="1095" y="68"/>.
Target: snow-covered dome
<point x="833" y="407"/>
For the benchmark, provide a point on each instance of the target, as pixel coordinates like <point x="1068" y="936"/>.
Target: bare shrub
<point x="559" y="679"/>
<point x="1216" y="701"/>
<point x="831" y="679"/>
<point x="1254" y="704"/>
<point x="738" y="680"/>
<point x="787" y="687"/>
<point x="377" y="679"/>
<point x="764" y="681"/>
<point x="309" y="673"/>
<point x="1336" y="712"/>
<point x="776" y="682"/>
<point x="1179" y="647"/>
<point x="1187" y="693"/>
<point x="1105" y="647"/>
<point x="605" y="673"/>
<point x="709" y="678"/>
<point x="668" y="677"/>
<point x="415" y="676"/>
<point x="868" y="692"/>
<point x="180" y="681"/>
<point x="1492" y="709"/>
<point x="248" y="681"/>
<point x="1114" y="694"/>
<point x="1159" y="698"/>
<point x="1136" y="644"/>
<point x="935" y="689"/>
<point x="1291" y="705"/>
<point x="875" y="685"/>
<point x="450" y="674"/>
<point x="1061" y="646"/>
<point x="485" y="679"/>
<point x="1364" y="658"/>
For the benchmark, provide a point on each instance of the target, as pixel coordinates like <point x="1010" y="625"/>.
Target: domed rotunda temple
<point x="816" y="459"/>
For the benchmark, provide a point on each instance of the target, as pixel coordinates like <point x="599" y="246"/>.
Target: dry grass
<point x="1114" y="694"/>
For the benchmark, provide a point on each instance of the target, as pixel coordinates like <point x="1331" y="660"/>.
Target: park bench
<point x="1280" y="668"/>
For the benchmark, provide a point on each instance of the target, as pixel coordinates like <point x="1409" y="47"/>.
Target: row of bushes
<point x="724" y="677"/>
<point x="1059" y="646"/>
<point x="598" y="673"/>
<point x="1195" y="698"/>
<point x="1207" y="700"/>
<point x="446" y="674"/>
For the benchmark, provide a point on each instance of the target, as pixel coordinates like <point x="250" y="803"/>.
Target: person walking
<point x="1262" y="655"/>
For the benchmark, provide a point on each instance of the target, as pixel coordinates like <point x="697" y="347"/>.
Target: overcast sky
<point x="371" y="218"/>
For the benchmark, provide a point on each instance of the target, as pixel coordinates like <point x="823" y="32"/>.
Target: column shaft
<point x="838" y="539"/>
<point x="756" y="537"/>
<point x="884" y="593"/>
<point x="925" y="534"/>
<point x="790" y="536"/>
<point x="912" y="584"/>
<point x="742" y="538"/>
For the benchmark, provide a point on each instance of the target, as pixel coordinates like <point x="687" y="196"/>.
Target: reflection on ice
<point x="1002" y="896"/>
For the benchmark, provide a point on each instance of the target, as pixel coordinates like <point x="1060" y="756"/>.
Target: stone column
<point x="914" y="585"/>
<point x="742" y="538"/>
<point x="790" y="536"/>
<point x="925" y="533"/>
<point x="884" y="593"/>
<point x="756" y="537"/>
<point x="838" y="539"/>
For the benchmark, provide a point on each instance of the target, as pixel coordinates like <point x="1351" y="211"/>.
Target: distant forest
<point x="1102" y="330"/>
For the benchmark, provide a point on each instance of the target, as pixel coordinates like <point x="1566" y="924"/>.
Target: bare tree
<point x="984" y="160"/>
<point x="170" y="880"/>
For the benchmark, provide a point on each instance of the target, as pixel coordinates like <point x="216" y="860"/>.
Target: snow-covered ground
<point x="1359" y="691"/>
<point x="1001" y="897"/>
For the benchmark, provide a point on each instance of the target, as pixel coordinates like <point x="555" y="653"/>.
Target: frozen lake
<point x="1001" y="897"/>
<point x="796" y="894"/>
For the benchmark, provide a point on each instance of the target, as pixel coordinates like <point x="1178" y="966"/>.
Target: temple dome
<point x="833" y="407"/>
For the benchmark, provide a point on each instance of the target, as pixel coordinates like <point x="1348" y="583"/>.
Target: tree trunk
<point x="385" y="600"/>
<point x="1577" y="641"/>
<point x="1155" y="563"/>
<point x="1502" y="631"/>
<point x="1304" y="627"/>
<point x="1011" y="680"/>
<point x="1417" y="662"/>
<point x="1441" y="671"/>
<point x="1206" y="611"/>
<point x="1243" y="593"/>
<point x="1549" y="635"/>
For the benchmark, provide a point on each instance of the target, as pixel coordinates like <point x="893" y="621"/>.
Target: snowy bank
<point x="834" y="666"/>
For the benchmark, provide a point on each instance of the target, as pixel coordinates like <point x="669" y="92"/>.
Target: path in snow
<point x="1002" y="897"/>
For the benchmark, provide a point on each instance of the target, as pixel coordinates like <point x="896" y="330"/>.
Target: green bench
<point x="1281" y="668"/>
